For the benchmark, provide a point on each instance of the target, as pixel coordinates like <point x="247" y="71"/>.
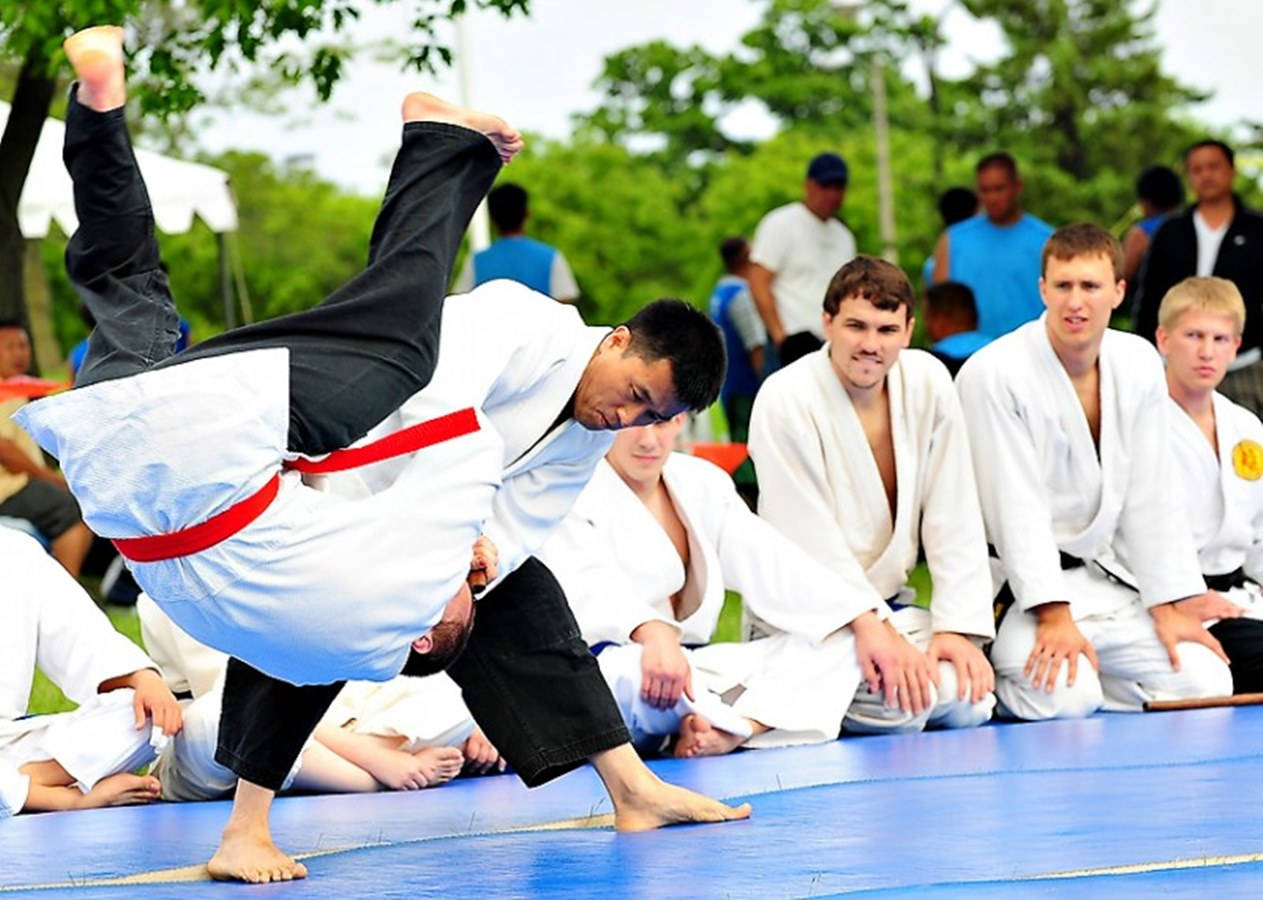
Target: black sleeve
<point x="1153" y="282"/>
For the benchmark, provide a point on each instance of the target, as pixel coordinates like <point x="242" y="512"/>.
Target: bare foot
<point x="97" y="57"/>
<point x="660" y="804"/>
<point x="123" y="789"/>
<point x="246" y="855"/>
<point x="699" y="738"/>
<point x="422" y="107"/>
<point x="439" y="764"/>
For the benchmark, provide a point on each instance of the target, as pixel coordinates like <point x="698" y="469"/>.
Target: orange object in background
<point x="28" y="387"/>
<point x="728" y="457"/>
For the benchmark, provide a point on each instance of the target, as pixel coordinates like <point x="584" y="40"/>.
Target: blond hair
<point x="1210" y="294"/>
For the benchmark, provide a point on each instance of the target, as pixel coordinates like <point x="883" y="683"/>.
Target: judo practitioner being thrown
<point x="177" y="459"/>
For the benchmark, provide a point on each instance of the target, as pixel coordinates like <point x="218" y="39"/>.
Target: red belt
<point x="224" y="525"/>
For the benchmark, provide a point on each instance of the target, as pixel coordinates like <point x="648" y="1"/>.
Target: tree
<point x="180" y="40"/>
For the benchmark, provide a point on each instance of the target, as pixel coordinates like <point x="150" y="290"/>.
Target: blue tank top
<point x="741" y="377"/>
<point x="518" y="258"/>
<point x="1002" y="265"/>
<point x="1150" y="225"/>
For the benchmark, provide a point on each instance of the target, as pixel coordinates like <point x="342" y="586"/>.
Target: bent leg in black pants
<point x="354" y="359"/>
<point x="1242" y="640"/>
<point x="530" y="681"/>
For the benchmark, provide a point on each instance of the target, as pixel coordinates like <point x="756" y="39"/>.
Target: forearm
<point x="15" y="460"/>
<point x="765" y="303"/>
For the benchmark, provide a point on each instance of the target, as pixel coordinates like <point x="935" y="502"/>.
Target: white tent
<point x="178" y="190"/>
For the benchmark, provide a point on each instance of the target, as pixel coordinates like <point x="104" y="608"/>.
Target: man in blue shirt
<point x="997" y="253"/>
<point x="515" y="256"/>
<point x="732" y="309"/>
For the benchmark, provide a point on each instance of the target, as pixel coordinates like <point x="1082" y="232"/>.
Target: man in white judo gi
<point x="863" y="459"/>
<point x="1069" y="423"/>
<point x="84" y="758"/>
<point x="1217" y="449"/>
<point x="178" y="460"/>
<point x="645" y="557"/>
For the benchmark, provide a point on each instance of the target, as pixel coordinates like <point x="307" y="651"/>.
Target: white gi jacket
<point x="50" y="623"/>
<point x="819" y="484"/>
<point x="619" y="568"/>
<point x="1045" y="490"/>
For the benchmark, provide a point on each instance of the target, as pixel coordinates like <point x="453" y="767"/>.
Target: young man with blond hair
<point x="1069" y="426"/>
<point x="1217" y="447"/>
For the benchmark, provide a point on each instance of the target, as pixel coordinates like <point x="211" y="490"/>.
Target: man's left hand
<point x="154" y="700"/>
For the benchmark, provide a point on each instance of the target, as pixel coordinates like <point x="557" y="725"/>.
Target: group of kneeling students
<point x="1091" y="523"/>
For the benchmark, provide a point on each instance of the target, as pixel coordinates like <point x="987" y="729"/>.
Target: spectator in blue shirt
<point x="951" y="318"/>
<point x="732" y="309"/>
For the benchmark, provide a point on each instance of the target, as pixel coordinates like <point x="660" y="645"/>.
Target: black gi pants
<point x="354" y="359"/>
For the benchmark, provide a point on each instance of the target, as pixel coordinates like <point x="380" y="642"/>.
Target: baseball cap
<point x="827" y="168"/>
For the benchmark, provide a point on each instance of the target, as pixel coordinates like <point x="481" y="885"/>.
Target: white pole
<point x="885" y="181"/>
<point x="480" y="225"/>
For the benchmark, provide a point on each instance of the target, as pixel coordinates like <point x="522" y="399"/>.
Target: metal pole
<point x="885" y="182"/>
<point x="225" y="282"/>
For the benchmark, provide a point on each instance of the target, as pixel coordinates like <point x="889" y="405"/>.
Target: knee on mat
<point x="1018" y="698"/>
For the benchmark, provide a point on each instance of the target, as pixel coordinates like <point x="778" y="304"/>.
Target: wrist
<point x="656" y="633"/>
<point x="1052" y="613"/>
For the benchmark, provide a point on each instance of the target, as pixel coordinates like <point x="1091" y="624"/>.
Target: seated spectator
<point x="29" y="489"/>
<point x="515" y="256"/>
<point x="863" y="457"/>
<point x="956" y="204"/>
<point x="84" y="758"/>
<point x="644" y="558"/>
<point x="951" y="318"/>
<point x="732" y="309"/>
<point x="403" y="734"/>
<point x="1218" y="453"/>
<point x="1160" y="193"/>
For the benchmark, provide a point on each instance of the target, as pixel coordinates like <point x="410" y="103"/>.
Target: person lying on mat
<point x="1217" y="451"/>
<point x="1069" y="423"/>
<point x="863" y="461"/>
<point x="644" y="559"/>
<point x="87" y="757"/>
<point x="178" y="459"/>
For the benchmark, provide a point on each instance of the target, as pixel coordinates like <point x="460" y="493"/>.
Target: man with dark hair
<point x="732" y="309"/>
<point x="515" y="256"/>
<point x="1159" y="192"/>
<point x="797" y="248"/>
<point x="313" y="589"/>
<point x="29" y="489"/>
<point x="1069" y="425"/>
<point x="956" y="204"/>
<point x="951" y="319"/>
<point x="996" y="254"/>
<point x="862" y="457"/>
<point x="1217" y="235"/>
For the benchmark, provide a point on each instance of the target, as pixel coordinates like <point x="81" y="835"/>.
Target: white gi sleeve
<point x="561" y="283"/>
<point x="778" y="581"/>
<point x="789" y="459"/>
<point x="1014" y="501"/>
<point x="14" y="788"/>
<point x="951" y="523"/>
<point x="1161" y="554"/>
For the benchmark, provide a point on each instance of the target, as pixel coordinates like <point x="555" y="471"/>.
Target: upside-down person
<point x="645" y="556"/>
<point x="178" y="460"/>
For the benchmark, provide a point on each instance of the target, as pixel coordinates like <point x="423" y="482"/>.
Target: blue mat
<point x="1113" y="804"/>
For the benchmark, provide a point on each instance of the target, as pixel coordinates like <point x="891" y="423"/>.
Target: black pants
<point x="1242" y="640"/>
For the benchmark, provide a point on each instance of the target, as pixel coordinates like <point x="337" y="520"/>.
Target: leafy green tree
<point x="181" y="40"/>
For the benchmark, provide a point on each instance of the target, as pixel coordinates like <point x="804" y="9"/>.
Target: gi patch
<point x="1247" y="460"/>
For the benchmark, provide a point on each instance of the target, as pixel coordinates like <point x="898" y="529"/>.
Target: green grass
<point x="46" y="697"/>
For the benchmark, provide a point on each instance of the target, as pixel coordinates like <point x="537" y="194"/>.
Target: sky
<point x="537" y="71"/>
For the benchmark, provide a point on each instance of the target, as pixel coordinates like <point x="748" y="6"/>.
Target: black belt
<point x="1227" y="581"/>
<point x="1004" y="599"/>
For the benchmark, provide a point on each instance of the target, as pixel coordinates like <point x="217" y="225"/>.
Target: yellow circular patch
<point x="1247" y="460"/>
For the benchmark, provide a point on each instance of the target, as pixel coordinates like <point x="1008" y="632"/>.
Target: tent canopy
<point x="178" y="190"/>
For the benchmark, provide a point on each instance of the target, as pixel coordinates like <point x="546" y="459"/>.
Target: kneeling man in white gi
<point x="84" y="758"/>
<point x="644" y="558"/>
<point x="863" y="459"/>
<point x="1218" y="454"/>
<point x="1070" y="423"/>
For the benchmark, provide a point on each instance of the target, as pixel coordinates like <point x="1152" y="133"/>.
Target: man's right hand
<point x="1210" y="605"/>
<point x="892" y="665"/>
<point x="664" y="667"/>
<point x="1057" y="641"/>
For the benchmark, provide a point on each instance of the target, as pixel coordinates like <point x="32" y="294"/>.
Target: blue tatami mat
<point x="1071" y="803"/>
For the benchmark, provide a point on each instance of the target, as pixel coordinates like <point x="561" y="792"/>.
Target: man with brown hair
<point x="1069" y="422"/>
<point x="863" y="459"/>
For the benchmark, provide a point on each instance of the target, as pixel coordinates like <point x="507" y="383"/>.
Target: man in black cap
<point x="797" y="249"/>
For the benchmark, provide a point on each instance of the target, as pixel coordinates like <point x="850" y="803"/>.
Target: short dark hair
<point x="798" y="345"/>
<point x="1211" y="142"/>
<point x="881" y="283"/>
<point x="999" y="159"/>
<point x="1161" y="186"/>
<point x="954" y="300"/>
<point x="956" y="204"/>
<point x="685" y="337"/>
<point x="506" y="204"/>
<point x="12" y="323"/>
<point x="449" y="640"/>
<point x="732" y="250"/>
<point x="1083" y="239"/>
